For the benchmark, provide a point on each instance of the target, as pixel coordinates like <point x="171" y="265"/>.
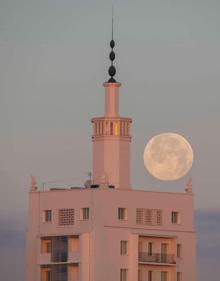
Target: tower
<point x="111" y="137"/>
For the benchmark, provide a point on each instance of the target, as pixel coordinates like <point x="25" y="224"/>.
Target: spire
<point x="112" y="69"/>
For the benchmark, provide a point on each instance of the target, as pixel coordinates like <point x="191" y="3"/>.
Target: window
<point x="73" y="272"/>
<point x="179" y="276"/>
<point x="123" y="274"/>
<point x="178" y="250"/>
<point x="59" y="249"/>
<point x="111" y="129"/>
<point x="48" y="247"/>
<point x="73" y="243"/>
<point x="45" y="245"/>
<point x="47" y="216"/>
<point x="116" y="129"/>
<point x="122" y="213"/>
<point x="66" y="217"/>
<point x="164" y="251"/>
<point x="159" y="217"/>
<point x="59" y="272"/>
<point x="124" y="248"/>
<point x="175" y="218"/>
<point x="164" y="276"/>
<point x="139" y="275"/>
<point x="150" y="275"/>
<point x="84" y="214"/>
<point x="150" y="249"/>
<point x="140" y="246"/>
<point x="139" y="216"/>
<point x="48" y="275"/>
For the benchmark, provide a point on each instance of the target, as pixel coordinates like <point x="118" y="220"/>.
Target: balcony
<point x="157" y="259"/>
<point x="46" y="258"/>
<point x="73" y="257"/>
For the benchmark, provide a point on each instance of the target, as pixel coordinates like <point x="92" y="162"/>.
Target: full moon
<point x="168" y="156"/>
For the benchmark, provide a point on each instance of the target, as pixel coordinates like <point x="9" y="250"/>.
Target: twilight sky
<point x="53" y="60"/>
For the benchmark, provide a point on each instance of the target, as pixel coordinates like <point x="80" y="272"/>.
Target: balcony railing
<point x="156" y="258"/>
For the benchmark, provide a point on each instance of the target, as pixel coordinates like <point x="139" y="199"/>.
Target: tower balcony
<point x="114" y="127"/>
<point x="156" y="259"/>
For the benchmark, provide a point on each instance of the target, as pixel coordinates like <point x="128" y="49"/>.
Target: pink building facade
<point x="107" y="230"/>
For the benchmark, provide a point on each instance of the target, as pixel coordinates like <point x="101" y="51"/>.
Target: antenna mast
<point x="112" y="69"/>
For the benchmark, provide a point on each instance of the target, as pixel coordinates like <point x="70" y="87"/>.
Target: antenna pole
<point x="112" y="20"/>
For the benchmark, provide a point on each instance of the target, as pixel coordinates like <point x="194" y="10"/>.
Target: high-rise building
<point x="106" y="230"/>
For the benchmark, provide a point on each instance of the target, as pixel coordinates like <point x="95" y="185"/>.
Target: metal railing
<point x="156" y="258"/>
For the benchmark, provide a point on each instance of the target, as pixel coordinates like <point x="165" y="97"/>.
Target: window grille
<point x="139" y="216"/>
<point x="148" y="216"/>
<point x="66" y="217"/>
